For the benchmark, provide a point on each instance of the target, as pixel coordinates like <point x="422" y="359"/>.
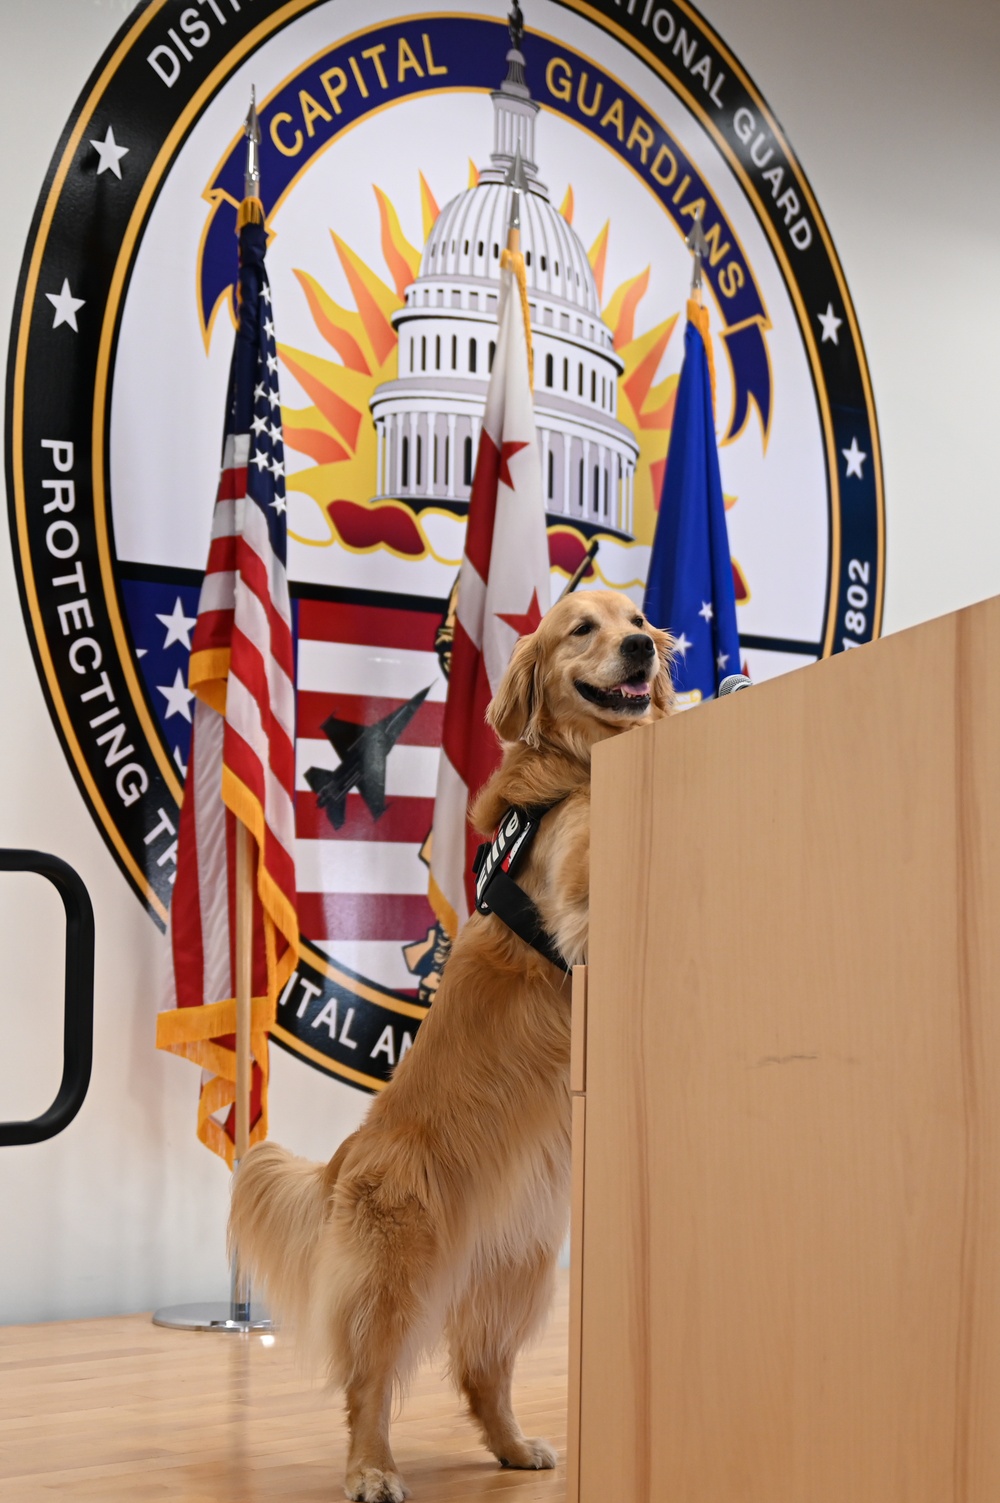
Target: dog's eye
<point x="638" y="621"/>
<point x="584" y="629"/>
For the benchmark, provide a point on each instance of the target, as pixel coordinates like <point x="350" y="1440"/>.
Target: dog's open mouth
<point x="630" y="697"/>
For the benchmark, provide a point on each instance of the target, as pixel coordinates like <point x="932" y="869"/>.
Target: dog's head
<point x="594" y="666"/>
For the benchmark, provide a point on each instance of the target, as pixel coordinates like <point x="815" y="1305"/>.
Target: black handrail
<point x="78" y="996"/>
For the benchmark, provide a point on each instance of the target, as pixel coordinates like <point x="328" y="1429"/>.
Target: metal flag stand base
<point x="238" y="1315"/>
<point x="213" y="1315"/>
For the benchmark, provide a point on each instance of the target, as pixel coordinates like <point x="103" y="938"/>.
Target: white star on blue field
<point x="161" y="608"/>
<point x="161" y="614"/>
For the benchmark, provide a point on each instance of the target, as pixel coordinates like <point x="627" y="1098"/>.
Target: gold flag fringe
<point x="514" y="261"/>
<point x="251" y="211"/>
<point x="698" y="315"/>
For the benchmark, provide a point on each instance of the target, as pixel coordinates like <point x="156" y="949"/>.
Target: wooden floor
<point x="116" y="1409"/>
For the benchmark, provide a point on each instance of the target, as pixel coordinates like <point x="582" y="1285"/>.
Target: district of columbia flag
<point x="689" y="589"/>
<point x="242" y="760"/>
<point x="503" y="592"/>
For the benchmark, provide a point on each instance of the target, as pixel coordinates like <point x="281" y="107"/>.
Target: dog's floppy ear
<point x="515" y="709"/>
<point x="663" y="683"/>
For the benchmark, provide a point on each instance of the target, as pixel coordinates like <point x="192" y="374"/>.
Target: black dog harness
<point x="496" y="890"/>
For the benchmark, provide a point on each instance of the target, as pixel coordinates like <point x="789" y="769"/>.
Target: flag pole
<point x="697" y="244"/>
<point x="240" y="1296"/>
<point x="581" y="568"/>
<point x="244" y="957"/>
<point x="516" y="181"/>
<point x="506" y="552"/>
<point x="237" y="1315"/>
<point x="240" y="1291"/>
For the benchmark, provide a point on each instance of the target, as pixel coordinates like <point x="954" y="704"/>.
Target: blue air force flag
<point x="690" y="585"/>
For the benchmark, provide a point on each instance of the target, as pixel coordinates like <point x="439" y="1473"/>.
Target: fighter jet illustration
<point x="363" y="750"/>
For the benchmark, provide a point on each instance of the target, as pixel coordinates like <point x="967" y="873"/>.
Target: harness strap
<point x="498" y="893"/>
<point x="512" y="904"/>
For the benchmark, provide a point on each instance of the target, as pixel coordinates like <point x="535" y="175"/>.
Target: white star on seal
<point x="831" y="323"/>
<point x="178" y="626"/>
<point x="681" y="645"/>
<point x="178" y="697"/>
<point x="855" y="459"/>
<point x="110" y="154"/>
<point x="706" y="611"/>
<point x="65" y="305"/>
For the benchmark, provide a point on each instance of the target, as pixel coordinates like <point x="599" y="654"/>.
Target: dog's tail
<point x="279" y="1208"/>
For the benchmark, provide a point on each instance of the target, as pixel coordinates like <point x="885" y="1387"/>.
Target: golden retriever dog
<point x="445" y="1212"/>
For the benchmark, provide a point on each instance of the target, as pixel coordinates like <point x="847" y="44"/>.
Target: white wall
<point x="893" y="109"/>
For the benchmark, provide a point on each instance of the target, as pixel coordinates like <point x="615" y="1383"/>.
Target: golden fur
<point x="446" y="1210"/>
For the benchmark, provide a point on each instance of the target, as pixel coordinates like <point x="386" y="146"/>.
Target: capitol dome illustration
<point x="427" y="420"/>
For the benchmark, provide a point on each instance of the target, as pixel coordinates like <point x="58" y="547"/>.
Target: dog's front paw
<point x="528" y="1455"/>
<point x="371" y="1485"/>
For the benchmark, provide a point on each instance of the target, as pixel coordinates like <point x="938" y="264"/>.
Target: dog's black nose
<point x="637" y="648"/>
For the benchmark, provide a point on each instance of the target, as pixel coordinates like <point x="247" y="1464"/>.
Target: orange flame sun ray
<point x="402" y="258"/>
<point x="428" y="207"/>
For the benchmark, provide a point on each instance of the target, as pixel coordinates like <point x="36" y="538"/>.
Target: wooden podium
<point x="786" y="1240"/>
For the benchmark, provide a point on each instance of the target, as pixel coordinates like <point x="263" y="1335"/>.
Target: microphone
<point x="733" y="683"/>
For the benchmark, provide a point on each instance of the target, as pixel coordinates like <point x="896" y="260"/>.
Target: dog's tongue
<point x="635" y="691"/>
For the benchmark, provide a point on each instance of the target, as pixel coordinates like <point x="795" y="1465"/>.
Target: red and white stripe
<point x="244" y="625"/>
<point x="363" y="887"/>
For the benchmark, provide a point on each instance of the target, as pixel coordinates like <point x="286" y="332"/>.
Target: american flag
<point x="503" y="592"/>
<point x="242" y="759"/>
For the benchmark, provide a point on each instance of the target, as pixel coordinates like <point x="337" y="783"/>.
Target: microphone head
<point x="734" y="682"/>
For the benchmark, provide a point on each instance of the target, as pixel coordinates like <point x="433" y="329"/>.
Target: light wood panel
<point x="578" y="1035"/>
<point x="578" y="1086"/>
<point x="109" y="1410"/>
<point x="791" y="1255"/>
